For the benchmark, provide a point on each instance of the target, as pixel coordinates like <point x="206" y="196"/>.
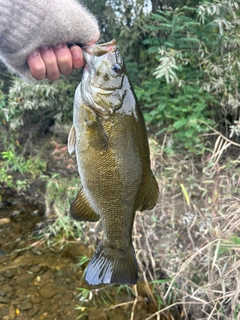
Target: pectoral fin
<point x="81" y="210"/>
<point x="71" y="140"/>
<point x="151" y="196"/>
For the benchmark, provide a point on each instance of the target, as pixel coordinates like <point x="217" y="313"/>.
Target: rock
<point x="36" y="300"/>
<point x="10" y="294"/>
<point x="4" y="221"/>
<point x="3" y="259"/>
<point x="4" y="300"/>
<point x="35" y="269"/>
<point x="24" y="279"/>
<point x="33" y="311"/>
<point x="16" y="202"/>
<point x="6" y="287"/>
<point x="4" y="312"/>
<point x="1" y="278"/>
<point x="12" y="313"/>
<point x="38" y="281"/>
<point x="19" y="299"/>
<point x="2" y="253"/>
<point x="15" y="213"/>
<point x="49" y="291"/>
<point x="10" y="246"/>
<point x="35" y="213"/>
<point x="9" y="273"/>
<point x="25" y="306"/>
<point x="2" y="293"/>
<point x="4" y="204"/>
<point x="13" y="255"/>
<point x="53" y="309"/>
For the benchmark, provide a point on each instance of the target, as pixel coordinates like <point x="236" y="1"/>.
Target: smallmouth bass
<point x="112" y="151"/>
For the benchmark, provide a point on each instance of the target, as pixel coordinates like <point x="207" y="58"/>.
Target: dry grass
<point x="193" y="237"/>
<point x="188" y="246"/>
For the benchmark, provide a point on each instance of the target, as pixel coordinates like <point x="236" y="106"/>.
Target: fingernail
<point x="34" y="53"/>
<point x="58" y="45"/>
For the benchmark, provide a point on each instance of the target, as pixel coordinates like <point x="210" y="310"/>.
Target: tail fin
<point x="112" y="266"/>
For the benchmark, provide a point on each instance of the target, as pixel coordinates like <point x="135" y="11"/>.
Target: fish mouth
<point x="101" y="49"/>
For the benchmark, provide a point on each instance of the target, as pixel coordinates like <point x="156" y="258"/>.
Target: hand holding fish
<point x="52" y="61"/>
<point x="35" y="36"/>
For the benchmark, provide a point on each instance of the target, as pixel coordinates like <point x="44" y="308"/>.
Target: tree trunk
<point x="156" y="5"/>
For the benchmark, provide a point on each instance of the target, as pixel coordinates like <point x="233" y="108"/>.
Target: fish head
<point x="102" y="82"/>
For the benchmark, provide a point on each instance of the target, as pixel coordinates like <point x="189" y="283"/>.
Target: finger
<point x="36" y="65"/>
<point x="77" y="57"/>
<point x="64" y="58"/>
<point x="50" y="60"/>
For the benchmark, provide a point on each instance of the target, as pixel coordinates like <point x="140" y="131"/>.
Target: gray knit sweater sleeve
<point x="28" y="24"/>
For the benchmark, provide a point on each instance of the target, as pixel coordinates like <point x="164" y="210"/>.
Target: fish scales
<point x="110" y="140"/>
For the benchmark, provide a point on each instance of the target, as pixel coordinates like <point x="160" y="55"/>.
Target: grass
<point x="14" y="165"/>
<point x="199" y="228"/>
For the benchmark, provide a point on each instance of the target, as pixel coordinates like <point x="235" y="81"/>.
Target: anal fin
<point x="151" y="196"/>
<point x="81" y="210"/>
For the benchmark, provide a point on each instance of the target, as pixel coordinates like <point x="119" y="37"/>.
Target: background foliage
<point x="182" y="57"/>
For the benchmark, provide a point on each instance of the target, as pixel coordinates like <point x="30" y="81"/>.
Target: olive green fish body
<point x="113" y="160"/>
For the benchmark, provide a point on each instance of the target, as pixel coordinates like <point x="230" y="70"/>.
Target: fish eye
<point x="116" y="67"/>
